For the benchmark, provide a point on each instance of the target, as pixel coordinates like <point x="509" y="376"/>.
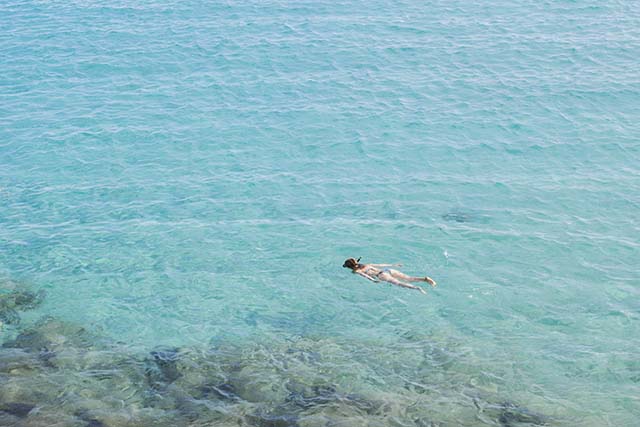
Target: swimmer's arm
<point x="366" y="276"/>
<point x="386" y="265"/>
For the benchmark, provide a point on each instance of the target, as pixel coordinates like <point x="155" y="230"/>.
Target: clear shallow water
<point x="188" y="174"/>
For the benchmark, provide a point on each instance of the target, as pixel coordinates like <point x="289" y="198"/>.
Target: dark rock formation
<point x="17" y="409"/>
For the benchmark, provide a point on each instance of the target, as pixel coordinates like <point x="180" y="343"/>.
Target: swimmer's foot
<point x="430" y="281"/>
<point x="421" y="290"/>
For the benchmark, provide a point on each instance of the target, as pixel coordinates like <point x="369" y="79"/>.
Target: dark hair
<point x="351" y="263"/>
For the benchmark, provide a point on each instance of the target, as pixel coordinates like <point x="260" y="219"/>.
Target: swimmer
<point x="382" y="272"/>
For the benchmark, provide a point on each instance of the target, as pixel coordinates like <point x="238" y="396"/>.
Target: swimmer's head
<point x="351" y="263"/>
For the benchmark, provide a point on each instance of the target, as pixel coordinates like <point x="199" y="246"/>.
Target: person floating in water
<point x="383" y="272"/>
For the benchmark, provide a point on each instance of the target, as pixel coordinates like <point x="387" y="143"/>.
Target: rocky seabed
<point x="54" y="373"/>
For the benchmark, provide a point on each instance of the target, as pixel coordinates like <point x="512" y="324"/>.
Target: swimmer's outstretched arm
<point x="366" y="276"/>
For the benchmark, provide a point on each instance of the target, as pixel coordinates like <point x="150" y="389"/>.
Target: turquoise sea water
<point x="191" y="175"/>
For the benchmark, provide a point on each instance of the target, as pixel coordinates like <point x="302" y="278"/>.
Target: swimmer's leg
<point x="400" y="275"/>
<point x="387" y="277"/>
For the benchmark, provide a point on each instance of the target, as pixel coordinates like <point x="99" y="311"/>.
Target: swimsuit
<point x="383" y="270"/>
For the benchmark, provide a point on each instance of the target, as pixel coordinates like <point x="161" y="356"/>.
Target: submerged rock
<point x="18" y="362"/>
<point x="9" y="315"/>
<point x="8" y="419"/>
<point x="166" y="360"/>
<point x="27" y="300"/>
<point x="265" y="418"/>
<point x="59" y="368"/>
<point x="305" y="402"/>
<point x="328" y="395"/>
<point x="30" y="388"/>
<point x="88" y="419"/>
<point x="224" y="391"/>
<point x="509" y="414"/>
<point x="512" y="415"/>
<point x="22" y="299"/>
<point x="50" y="334"/>
<point x="17" y="409"/>
<point x="162" y="368"/>
<point x="18" y="300"/>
